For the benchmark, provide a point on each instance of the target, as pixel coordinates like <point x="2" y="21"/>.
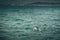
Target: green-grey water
<point x="16" y="23"/>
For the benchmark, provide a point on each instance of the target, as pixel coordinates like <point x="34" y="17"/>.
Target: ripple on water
<point x="19" y="20"/>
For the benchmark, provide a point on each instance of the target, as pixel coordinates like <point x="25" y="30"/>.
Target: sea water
<point x="16" y="23"/>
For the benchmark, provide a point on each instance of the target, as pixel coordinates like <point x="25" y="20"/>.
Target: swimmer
<point x="36" y="28"/>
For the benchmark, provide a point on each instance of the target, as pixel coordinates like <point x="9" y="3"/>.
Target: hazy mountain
<point x="44" y="4"/>
<point x="28" y="2"/>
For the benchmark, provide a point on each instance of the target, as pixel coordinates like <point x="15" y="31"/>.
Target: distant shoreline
<point x="26" y="5"/>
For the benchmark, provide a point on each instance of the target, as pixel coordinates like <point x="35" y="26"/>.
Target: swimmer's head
<point x="36" y="28"/>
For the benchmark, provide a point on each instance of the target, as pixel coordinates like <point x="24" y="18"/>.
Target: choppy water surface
<point x="16" y="23"/>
